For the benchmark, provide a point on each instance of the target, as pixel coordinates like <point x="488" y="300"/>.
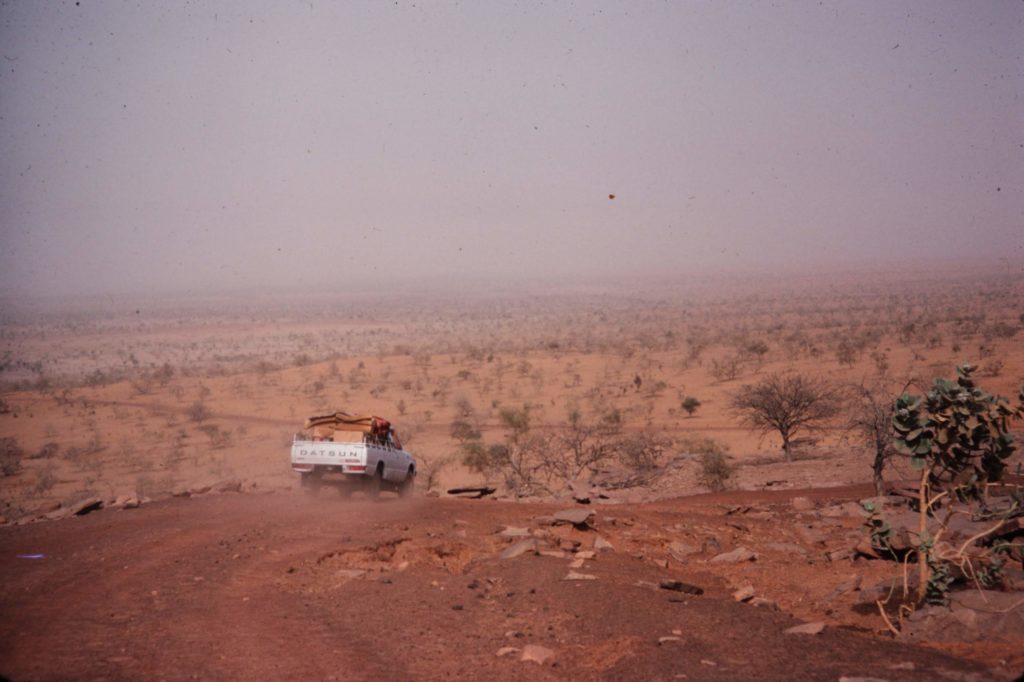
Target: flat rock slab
<point x="680" y="586"/>
<point x="514" y="532"/>
<point x="577" y="517"/>
<point x="83" y="507"/>
<point x="537" y="654"/>
<point x="572" y="575"/>
<point x="738" y="555"/>
<point x="473" y="492"/>
<point x="518" y="548"/>
<point x="806" y="629"/>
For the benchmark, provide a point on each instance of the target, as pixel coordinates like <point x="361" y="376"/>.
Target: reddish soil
<point x="269" y="586"/>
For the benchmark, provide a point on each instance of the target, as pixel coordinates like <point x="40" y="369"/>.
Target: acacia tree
<point x="787" y="404"/>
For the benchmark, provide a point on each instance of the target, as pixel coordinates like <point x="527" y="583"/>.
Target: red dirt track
<point x="256" y="587"/>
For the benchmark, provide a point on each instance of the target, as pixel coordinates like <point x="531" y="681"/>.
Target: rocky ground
<point x="738" y="585"/>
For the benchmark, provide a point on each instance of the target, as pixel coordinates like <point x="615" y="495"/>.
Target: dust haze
<point x="309" y="147"/>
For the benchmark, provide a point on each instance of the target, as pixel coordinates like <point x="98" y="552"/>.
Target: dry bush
<point x="10" y="456"/>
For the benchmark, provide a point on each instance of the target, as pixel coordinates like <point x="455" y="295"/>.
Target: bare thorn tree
<point x="787" y="404"/>
<point x="871" y="419"/>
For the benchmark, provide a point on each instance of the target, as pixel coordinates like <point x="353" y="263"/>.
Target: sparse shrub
<point x="881" y="360"/>
<point x="10" y="456"/>
<point x="198" y="412"/>
<point x="47" y="451"/>
<point x="643" y="452"/>
<point x="46" y="478"/>
<point x="218" y="438"/>
<point x="726" y="369"/>
<point x="690" y="404"/>
<point x="715" y="471"/>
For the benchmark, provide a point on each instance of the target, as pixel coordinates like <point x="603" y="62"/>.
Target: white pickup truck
<point x="352" y="453"/>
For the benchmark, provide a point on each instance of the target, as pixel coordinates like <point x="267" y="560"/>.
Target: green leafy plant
<point x="958" y="436"/>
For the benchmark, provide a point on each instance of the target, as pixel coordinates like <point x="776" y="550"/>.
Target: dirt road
<point x="278" y="586"/>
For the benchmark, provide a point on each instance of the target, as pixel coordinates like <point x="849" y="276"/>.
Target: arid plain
<point x="162" y="400"/>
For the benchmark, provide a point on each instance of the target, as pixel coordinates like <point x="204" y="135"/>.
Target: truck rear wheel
<point x="373" y="484"/>
<point x="310" y="482"/>
<point x="408" y="486"/>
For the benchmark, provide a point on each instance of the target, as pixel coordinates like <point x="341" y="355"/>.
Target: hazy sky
<point x="181" y="146"/>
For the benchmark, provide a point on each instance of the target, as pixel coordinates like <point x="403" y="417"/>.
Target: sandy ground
<point x="280" y="586"/>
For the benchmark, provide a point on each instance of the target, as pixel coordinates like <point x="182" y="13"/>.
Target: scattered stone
<point x="577" y="517"/>
<point x="544" y="520"/>
<point x="972" y="616"/>
<point x="668" y="639"/>
<point x="847" y="678"/>
<point x="569" y="545"/>
<point x="711" y="546"/>
<point x="906" y="665"/>
<point x="55" y="515"/>
<point x="811" y="536"/>
<point x="679" y="586"/>
<point x="806" y="629"/>
<point x="200" y="489"/>
<point x="83" y="507"/>
<point x="473" y="492"/>
<point x="745" y="593"/>
<point x="680" y="550"/>
<point x="585" y="554"/>
<point x="849" y="585"/>
<point x="738" y="555"/>
<point x="515" y="532"/>
<point x="572" y="575"/>
<point x="762" y="602"/>
<point x="602" y="545"/>
<point x="803" y="504"/>
<point x="518" y="548"/>
<point x="839" y="554"/>
<point x="506" y="650"/>
<point x="537" y="653"/>
<point x="787" y="547"/>
<point x="553" y="553"/>
<point x="576" y="563"/>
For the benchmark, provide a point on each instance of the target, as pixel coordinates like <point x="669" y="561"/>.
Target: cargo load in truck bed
<point x="327" y="425"/>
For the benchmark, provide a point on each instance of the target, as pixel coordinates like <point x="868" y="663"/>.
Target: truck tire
<point x="310" y="482"/>
<point x="373" y="484"/>
<point x="407" y="487"/>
